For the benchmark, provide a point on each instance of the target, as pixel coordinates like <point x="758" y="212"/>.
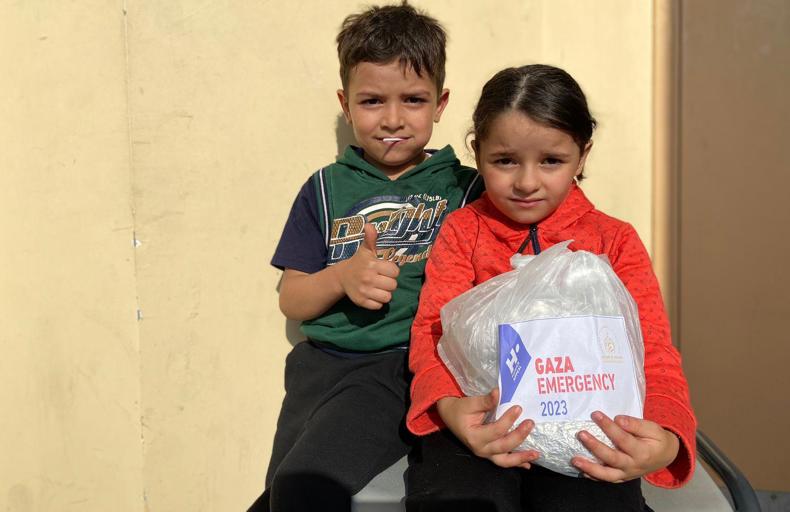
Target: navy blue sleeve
<point x="302" y="246"/>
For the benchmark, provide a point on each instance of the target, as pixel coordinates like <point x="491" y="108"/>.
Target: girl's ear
<point x="583" y="158"/>
<point x="476" y="149"/>
<point x="341" y="97"/>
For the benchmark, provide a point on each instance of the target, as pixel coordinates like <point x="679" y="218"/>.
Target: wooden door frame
<point x="665" y="213"/>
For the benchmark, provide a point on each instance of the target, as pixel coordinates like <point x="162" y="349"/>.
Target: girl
<point x="532" y="134"/>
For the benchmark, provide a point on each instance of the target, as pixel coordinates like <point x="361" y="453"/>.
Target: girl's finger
<point x="514" y="459"/>
<point x="481" y="403"/>
<point x="595" y="471"/>
<point x="503" y="425"/>
<point x="483" y="436"/>
<point x="622" y="439"/>
<point x="608" y="456"/>
<point x="639" y="427"/>
<point x="511" y="440"/>
<point x="476" y="404"/>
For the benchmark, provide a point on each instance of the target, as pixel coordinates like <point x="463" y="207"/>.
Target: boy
<point x="353" y="253"/>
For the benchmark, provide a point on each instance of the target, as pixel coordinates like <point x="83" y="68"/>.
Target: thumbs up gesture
<point x="367" y="280"/>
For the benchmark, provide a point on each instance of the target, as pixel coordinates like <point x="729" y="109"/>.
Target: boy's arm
<point x="304" y="296"/>
<point x="365" y="279"/>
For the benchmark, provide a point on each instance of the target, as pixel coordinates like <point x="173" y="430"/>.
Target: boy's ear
<point x="441" y="103"/>
<point x="583" y="158"/>
<point x="341" y="96"/>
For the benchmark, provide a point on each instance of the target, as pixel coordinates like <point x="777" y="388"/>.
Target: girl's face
<point x="528" y="168"/>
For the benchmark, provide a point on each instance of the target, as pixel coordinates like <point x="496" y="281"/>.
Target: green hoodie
<point x="407" y="213"/>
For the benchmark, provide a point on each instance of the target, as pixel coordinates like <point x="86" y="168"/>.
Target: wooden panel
<point x="734" y="279"/>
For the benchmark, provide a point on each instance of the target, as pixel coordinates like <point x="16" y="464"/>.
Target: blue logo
<point x="513" y="361"/>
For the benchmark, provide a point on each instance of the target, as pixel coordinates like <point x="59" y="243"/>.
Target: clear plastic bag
<point x="556" y="284"/>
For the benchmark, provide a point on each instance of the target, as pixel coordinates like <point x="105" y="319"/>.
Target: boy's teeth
<point x="391" y="139"/>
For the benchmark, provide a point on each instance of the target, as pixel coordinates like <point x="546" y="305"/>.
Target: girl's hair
<point x="546" y="94"/>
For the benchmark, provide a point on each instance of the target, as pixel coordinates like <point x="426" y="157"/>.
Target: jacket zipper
<point x="531" y="237"/>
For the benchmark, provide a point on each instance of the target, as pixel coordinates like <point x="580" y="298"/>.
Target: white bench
<point x="385" y="493"/>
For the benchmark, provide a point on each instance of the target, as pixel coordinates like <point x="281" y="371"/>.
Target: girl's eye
<point x="505" y="161"/>
<point x="552" y="161"/>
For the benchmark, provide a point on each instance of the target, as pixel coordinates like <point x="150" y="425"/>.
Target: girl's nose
<point x="527" y="180"/>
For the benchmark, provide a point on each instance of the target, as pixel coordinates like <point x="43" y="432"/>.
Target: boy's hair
<point x="381" y="34"/>
<point x="545" y="94"/>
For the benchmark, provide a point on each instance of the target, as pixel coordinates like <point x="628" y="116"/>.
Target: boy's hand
<point x="641" y="447"/>
<point x="367" y="280"/>
<point x="492" y="441"/>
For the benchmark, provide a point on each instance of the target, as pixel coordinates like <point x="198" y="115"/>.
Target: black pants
<point x="444" y="475"/>
<point x="341" y="424"/>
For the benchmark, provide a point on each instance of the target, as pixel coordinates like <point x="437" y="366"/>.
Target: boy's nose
<point x="393" y="118"/>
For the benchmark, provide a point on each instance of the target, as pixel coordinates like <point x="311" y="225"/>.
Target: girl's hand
<point x="641" y="447"/>
<point x="492" y="441"/>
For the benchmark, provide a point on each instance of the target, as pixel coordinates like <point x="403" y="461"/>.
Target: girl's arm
<point x="493" y="441"/>
<point x="667" y="402"/>
<point x="448" y="273"/>
<point x="437" y="401"/>
<point x="642" y="447"/>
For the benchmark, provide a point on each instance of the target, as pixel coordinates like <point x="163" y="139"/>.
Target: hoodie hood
<point x="353" y="159"/>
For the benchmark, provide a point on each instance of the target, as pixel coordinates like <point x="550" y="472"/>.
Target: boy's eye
<point x="415" y="99"/>
<point x="371" y="101"/>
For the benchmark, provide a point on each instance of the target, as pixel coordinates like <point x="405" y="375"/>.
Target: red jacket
<point x="475" y="244"/>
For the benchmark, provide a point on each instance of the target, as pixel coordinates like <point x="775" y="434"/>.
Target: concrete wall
<point x="189" y="126"/>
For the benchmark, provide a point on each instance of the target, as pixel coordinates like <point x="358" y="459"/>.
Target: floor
<point x="774" y="501"/>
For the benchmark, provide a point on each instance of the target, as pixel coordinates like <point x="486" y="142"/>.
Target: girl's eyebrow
<point x="502" y="152"/>
<point x="559" y="154"/>
<point x="510" y="152"/>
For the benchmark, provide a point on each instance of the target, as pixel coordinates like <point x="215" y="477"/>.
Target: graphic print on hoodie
<point x="407" y="213"/>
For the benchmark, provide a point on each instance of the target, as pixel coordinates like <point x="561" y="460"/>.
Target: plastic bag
<point x="551" y="313"/>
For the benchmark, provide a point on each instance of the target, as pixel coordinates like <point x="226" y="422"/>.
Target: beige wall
<point x="69" y="347"/>
<point x="231" y="105"/>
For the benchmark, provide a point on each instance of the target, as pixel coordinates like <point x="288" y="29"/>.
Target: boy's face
<point x="391" y="110"/>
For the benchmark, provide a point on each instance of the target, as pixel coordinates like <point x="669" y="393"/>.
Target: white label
<point x="563" y="369"/>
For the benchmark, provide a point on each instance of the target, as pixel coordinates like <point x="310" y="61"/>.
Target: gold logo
<point x="608" y="345"/>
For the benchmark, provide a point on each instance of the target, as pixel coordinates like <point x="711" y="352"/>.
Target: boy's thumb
<point x="371" y="235"/>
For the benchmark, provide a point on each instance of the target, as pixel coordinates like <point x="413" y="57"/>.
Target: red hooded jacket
<point x="476" y="243"/>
